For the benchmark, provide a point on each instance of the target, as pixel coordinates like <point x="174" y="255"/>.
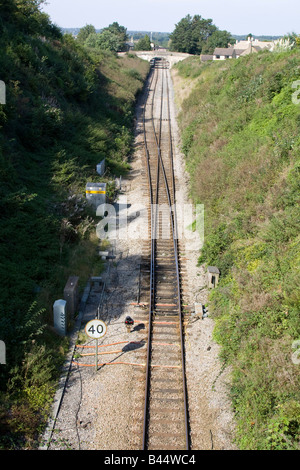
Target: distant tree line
<point x="158" y="38"/>
<point x="196" y="35"/>
<point x="113" y="38"/>
<point x="193" y="34"/>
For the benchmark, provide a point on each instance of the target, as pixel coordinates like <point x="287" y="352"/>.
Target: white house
<point x="222" y="53"/>
<point x="242" y="48"/>
<point x="244" y="45"/>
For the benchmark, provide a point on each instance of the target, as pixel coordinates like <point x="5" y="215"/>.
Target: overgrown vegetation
<point x="66" y="109"/>
<point x="240" y="135"/>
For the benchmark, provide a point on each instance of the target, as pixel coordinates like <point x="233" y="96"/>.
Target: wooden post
<point x="96" y="356"/>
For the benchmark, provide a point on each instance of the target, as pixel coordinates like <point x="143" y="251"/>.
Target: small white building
<point x="222" y="53"/>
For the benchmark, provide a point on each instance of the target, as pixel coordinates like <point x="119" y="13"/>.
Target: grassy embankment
<point x="66" y="109"/>
<point x="240" y="136"/>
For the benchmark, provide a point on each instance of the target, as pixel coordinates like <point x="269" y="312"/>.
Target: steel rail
<point x="173" y="220"/>
<point x="174" y="234"/>
<point x="178" y="280"/>
<point x="152" y="261"/>
<point x="147" y="390"/>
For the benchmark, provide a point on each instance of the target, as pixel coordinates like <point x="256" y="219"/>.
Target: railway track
<point x="166" y="420"/>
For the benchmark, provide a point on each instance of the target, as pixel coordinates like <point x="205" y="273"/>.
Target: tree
<point x="217" y="39"/>
<point x="120" y="33"/>
<point x="192" y="35"/>
<point x="113" y="38"/>
<point x="144" y="44"/>
<point x="201" y="30"/>
<point x="106" y="41"/>
<point x="181" y="38"/>
<point x="85" y="32"/>
<point x="25" y="16"/>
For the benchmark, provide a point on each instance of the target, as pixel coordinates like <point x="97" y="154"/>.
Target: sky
<point x="239" y="17"/>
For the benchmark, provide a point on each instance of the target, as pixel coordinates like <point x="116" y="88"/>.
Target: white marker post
<point x="96" y="329"/>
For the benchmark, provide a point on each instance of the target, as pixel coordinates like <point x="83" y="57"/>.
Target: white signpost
<point x="96" y="329"/>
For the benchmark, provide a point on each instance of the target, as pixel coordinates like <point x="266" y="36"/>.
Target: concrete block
<point x="198" y="309"/>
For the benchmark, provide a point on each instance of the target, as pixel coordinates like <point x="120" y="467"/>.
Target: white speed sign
<point x="95" y="329"/>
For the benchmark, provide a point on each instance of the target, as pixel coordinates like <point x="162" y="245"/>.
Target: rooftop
<point x="224" y="51"/>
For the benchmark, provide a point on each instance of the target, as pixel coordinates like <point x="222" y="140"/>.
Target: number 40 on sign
<point x="95" y="329"/>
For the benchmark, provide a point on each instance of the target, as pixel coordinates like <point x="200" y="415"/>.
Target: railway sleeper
<point x="161" y="287"/>
<point x="162" y="339"/>
<point x="165" y="299"/>
<point x="170" y="293"/>
<point x="174" y="428"/>
<point x="166" y="447"/>
<point x="172" y="329"/>
<point x="165" y="314"/>
<point x="165" y="310"/>
<point x="159" y="419"/>
<point x="165" y="390"/>
<point x="163" y="317"/>
<point x="167" y="379"/>
<point x="166" y="400"/>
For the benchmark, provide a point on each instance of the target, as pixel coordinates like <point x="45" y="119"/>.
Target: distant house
<point x="130" y="45"/>
<point x="244" y="45"/>
<point x="238" y="52"/>
<point x="250" y="50"/>
<point x="222" y="53"/>
<point x="242" y="48"/>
